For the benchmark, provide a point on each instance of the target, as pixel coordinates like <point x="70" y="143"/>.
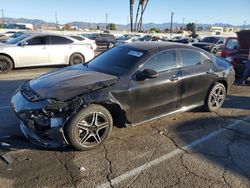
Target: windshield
<point x="210" y="39"/>
<point x="17" y="34"/>
<point x="116" y="61"/>
<point x="18" y="39"/>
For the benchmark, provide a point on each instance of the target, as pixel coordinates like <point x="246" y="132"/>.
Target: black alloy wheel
<point x="216" y="97"/>
<point x="76" y="58"/>
<point x="6" y="64"/>
<point x="90" y="127"/>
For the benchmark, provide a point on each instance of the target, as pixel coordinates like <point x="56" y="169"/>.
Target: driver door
<point x="156" y="96"/>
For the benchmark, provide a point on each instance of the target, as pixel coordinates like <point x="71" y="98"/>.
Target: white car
<point x="37" y="49"/>
<point x="85" y="40"/>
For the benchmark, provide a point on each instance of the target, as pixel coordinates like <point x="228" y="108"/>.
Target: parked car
<point x="4" y="39"/>
<point x="126" y="85"/>
<point x="91" y="36"/>
<point x="231" y="46"/>
<point x="127" y="38"/>
<point x="105" y="39"/>
<point x="240" y="57"/>
<point x="37" y="49"/>
<point x="85" y="41"/>
<point x="212" y="44"/>
<point x="186" y="40"/>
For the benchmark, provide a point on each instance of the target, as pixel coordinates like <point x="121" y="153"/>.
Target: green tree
<point x="155" y="30"/>
<point x="191" y="27"/>
<point x="111" y="26"/>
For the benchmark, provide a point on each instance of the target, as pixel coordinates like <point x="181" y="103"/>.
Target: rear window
<point x="116" y="61"/>
<point x="232" y="44"/>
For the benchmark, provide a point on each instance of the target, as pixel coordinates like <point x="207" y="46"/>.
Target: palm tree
<point x="143" y="8"/>
<point x="131" y="4"/>
<point x="137" y="14"/>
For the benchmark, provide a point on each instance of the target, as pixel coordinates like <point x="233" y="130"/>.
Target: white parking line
<point x="4" y="107"/>
<point x="22" y="75"/>
<point x="167" y="156"/>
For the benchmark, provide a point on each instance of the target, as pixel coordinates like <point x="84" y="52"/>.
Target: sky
<point x="158" y="11"/>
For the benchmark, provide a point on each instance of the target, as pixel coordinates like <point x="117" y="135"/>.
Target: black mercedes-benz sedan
<point x="126" y="85"/>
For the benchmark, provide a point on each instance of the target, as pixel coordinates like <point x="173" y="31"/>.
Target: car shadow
<point x="229" y="150"/>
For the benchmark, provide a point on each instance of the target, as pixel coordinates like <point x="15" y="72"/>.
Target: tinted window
<point x="210" y="39"/>
<point x="78" y="38"/>
<point x="232" y="44"/>
<point x="190" y="58"/>
<point x="162" y="61"/>
<point x="37" y="40"/>
<point x="116" y="61"/>
<point x="59" y="40"/>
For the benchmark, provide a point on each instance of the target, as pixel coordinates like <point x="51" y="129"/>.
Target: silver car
<point x="37" y="49"/>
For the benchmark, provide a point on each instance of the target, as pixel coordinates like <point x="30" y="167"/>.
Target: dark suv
<point x="213" y="44"/>
<point x="105" y="39"/>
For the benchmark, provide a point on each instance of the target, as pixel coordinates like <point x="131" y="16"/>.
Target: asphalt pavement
<point x="192" y="149"/>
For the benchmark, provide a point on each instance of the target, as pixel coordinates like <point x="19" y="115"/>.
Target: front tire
<point x="89" y="128"/>
<point x="215" y="98"/>
<point x="6" y="64"/>
<point x="76" y="58"/>
<point x="214" y="52"/>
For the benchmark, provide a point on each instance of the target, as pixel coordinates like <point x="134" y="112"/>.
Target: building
<point x="20" y="26"/>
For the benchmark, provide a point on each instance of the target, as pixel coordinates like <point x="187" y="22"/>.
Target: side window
<point x="78" y="38"/>
<point x="42" y="40"/>
<point x="162" y="61"/>
<point x="59" y="40"/>
<point x="190" y="58"/>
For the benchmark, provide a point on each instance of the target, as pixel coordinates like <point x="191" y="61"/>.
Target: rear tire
<point x="89" y="128"/>
<point x="6" y="64"/>
<point x="110" y="45"/>
<point x="215" y="98"/>
<point x="76" y="58"/>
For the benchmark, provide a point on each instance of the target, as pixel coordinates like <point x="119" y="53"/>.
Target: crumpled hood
<point x="244" y="39"/>
<point x="69" y="82"/>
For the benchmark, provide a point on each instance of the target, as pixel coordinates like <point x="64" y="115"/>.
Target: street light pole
<point x="107" y="15"/>
<point x="171" y="24"/>
<point x="3" y="18"/>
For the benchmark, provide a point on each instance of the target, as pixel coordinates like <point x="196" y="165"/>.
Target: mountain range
<point x="41" y="24"/>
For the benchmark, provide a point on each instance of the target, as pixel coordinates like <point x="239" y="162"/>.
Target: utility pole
<point x="107" y="15"/>
<point x="3" y="18"/>
<point x="171" y="24"/>
<point x="183" y="23"/>
<point x="56" y="20"/>
<point x="244" y="25"/>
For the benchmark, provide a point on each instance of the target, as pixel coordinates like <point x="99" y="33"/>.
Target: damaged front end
<point x="43" y="120"/>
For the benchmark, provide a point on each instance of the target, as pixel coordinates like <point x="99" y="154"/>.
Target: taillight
<point x="224" y="53"/>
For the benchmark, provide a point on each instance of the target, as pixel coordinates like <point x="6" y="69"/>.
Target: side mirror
<point x="23" y="43"/>
<point x="220" y="42"/>
<point x="146" y="74"/>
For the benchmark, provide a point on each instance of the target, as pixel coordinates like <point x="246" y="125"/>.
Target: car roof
<point x="154" y="45"/>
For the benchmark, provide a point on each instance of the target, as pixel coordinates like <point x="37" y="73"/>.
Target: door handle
<point x="174" y="78"/>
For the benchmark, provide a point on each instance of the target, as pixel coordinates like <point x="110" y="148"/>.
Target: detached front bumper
<point x="39" y="128"/>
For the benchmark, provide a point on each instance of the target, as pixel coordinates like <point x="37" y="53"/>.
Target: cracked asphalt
<point x="192" y="149"/>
